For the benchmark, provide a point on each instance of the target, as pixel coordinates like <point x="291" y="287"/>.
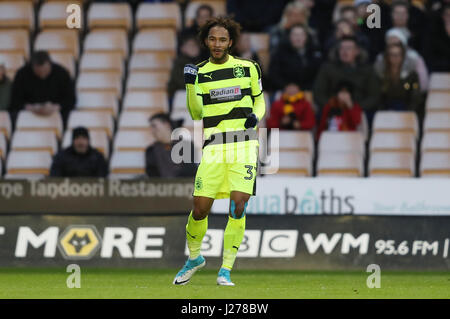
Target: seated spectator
<point x="348" y="63"/>
<point x="190" y="53"/>
<point x="5" y="87"/>
<point x="342" y="112"/>
<point x="296" y="61"/>
<point x="440" y="41"/>
<point x="294" y="13"/>
<point x="400" y="89"/>
<point x="80" y="159"/>
<point x="158" y="156"/>
<point x="292" y="111"/>
<point x="202" y="14"/>
<point x="42" y="87"/>
<point x="243" y="48"/>
<point x="396" y="36"/>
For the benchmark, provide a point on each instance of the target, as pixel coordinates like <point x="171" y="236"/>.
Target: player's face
<point x="218" y="42"/>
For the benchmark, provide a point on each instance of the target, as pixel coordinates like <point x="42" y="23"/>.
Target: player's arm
<point x="259" y="105"/>
<point x="193" y="100"/>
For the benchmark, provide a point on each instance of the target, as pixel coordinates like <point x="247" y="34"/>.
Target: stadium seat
<point x="438" y="102"/>
<point x="439" y="82"/>
<point x="184" y="115"/>
<point x="66" y="60"/>
<point x="100" y="82"/>
<point x="15" y="41"/>
<point x="144" y="81"/>
<point x="435" y="165"/>
<point x="52" y="14"/>
<point x="295" y="141"/>
<point x="5" y="124"/>
<point x="34" y="141"/>
<point x="342" y="164"/>
<point x="127" y="164"/>
<point x="134" y="120"/>
<point x="3" y="148"/>
<point x="98" y="140"/>
<point x="391" y="164"/>
<point x="179" y="100"/>
<point x="1" y="167"/>
<point x="435" y="142"/>
<point x="28" y="163"/>
<point x="58" y="41"/>
<point x="295" y="163"/>
<point x="393" y="142"/>
<point x="155" y="61"/>
<point x="392" y="121"/>
<point x="102" y="62"/>
<point x="109" y="15"/>
<point x="159" y="15"/>
<point x="342" y="142"/>
<point x="28" y="121"/>
<point x="13" y="62"/>
<point x="17" y="14"/>
<point x="155" y="40"/>
<point x="152" y="101"/>
<point x="98" y="101"/>
<point x="259" y="42"/>
<point x="436" y="122"/>
<point x="107" y="41"/>
<point x="219" y="8"/>
<point x="363" y="127"/>
<point x="101" y="121"/>
<point x="132" y="141"/>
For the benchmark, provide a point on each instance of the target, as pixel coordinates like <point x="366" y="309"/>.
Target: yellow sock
<point x="195" y="231"/>
<point x="232" y="239"/>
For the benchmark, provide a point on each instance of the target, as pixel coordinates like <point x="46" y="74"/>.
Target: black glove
<point x="251" y="121"/>
<point x="190" y="73"/>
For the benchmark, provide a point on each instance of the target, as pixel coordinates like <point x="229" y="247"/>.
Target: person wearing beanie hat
<point x="5" y="86"/>
<point x="79" y="159"/>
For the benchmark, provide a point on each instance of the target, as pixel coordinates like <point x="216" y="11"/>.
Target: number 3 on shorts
<point x="250" y="172"/>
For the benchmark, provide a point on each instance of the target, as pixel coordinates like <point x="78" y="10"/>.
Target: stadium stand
<point x="98" y="101"/>
<point x="391" y="164"/>
<point x="13" y="62"/>
<point x="98" y="140"/>
<point x="158" y="15"/>
<point x="341" y="164"/>
<point x="58" y="41"/>
<point x="5" y="124"/>
<point x="162" y="40"/>
<point x="110" y="15"/>
<point x="17" y="14"/>
<point x="155" y="61"/>
<point x="438" y="102"/>
<point x="94" y="120"/>
<point x="392" y="121"/>
<point x="435" y="142"/>
<point x="28" y="121"/>
<point x="102" y="62"/>
<point x="437" y="122"/>
<point x="295" y="163"/>
<point x="131" y="141"/>
<point x="145" y="81"/>
<point x="67" y="60"/>
<point x="435" y="165"/>
<point x="107" y="41"/>
<point x="219" y="8"/>
<point x="393" y="142"/>
<point x="99" y="82"/>
<point x="439" y="82"/>
<point x="134" y="120"/>
<point x="127" y="164"/>
<point x="34" y="141"/>
<point x="342" y="142"/>
<point x="15" y="41"/>
<point x="150" y="101"/>
<point x="3" y="149"/>
<point x="52" y="14"/>
<point x="34" y="164"/>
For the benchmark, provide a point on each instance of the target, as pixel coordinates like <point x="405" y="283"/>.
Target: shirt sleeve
<point x="194" y="101"/>
<point x="259" y="105"/>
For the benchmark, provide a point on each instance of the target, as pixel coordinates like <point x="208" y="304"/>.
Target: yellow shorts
<point x="222" y="171"/>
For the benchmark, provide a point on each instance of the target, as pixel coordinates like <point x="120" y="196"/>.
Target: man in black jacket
<point x="79" y="159"/>
<point x="42" y="87"/>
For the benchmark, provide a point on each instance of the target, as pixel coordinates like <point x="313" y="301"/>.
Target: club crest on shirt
<point x="198" y="183"/>
<point x="238" y="71"/>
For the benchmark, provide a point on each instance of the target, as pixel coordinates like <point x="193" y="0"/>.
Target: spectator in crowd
<point x="5" y="87"/>
<point x="395" y="35"/>
<point x="80" y="159"/>
<point x="243" y="48"/>
<point x="342" y="112"/>
<point x="190" y="54"/>
<point x="202" y="14"/>
<point x="256" y="15"/>
<point x="399" y="81"/>
<point x="344" y="28"/>
<point x="42" y="87"/>
<point x="295" y="61"/>
<point x="159" y="161"/>
<point x="292" y="111"/>
<point x="440" y="41"/>
<point x="321" y="16"/>
<point x="348" y="63"/>
<point x="294" y="13"/>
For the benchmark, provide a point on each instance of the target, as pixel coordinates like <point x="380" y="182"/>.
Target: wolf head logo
<point x="79" y="242"/>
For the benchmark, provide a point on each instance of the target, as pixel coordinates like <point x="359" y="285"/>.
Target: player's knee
<point x="238" y="208"/>
<point x="198" y="213"/>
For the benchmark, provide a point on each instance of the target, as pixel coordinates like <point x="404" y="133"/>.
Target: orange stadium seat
<point x="143" y="81"/>
<point x="17" y="14"/>
<point x="439" y="82"/>
<point x="342" y="142"/>
<point x="28" y="164"/>
<point x="67" y="60"/>
<point x="153" y="101"/>
<point x="155" y="40"/>
<point x="34" y="141"/>
<point x="134" y="120"/>
<point x="295" y="141"/>
<point x="98" y="140"/>
<point x="438" y="102"/>
<point x="393" y="142"/>
<point x="435" y="142"/>
<point x="58" y="41"/>
<point x="102" y="62"/>
<point x="295" y="163"/>
<point x="98" y="101"/>
<point x="52" y="14"/>
<point x="13" y="62"/>
<point x="155" y="61"/>
<point x="127" y="164"/>
<point x="5" y="124"/>
<point x="219" y="8"/>
<point x="107" y="41"/>
<point x="3" y="148"/>
<point x="435" y="165"/>
<point x="99" y="82"/>
<point x="392" y="121"/>
<point x="150" y="15"/>
<point x="15" y="41"/>
<point x="109" y="15"/>
<point x="437" y="122"/>
<point x="391" y="164"/>
<point x="131" y="141"/>
<point x="95" y="121"/>
<point x="28" y="121"/>
<point x="342" y="164"/>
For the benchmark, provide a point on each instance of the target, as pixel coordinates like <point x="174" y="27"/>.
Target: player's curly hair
<point x="233" y="28"/>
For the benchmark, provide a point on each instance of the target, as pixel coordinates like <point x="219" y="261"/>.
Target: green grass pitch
<point x="157" y="283"/>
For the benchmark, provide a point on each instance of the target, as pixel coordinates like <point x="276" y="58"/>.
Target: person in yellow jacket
<point x="225" y="92"/>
